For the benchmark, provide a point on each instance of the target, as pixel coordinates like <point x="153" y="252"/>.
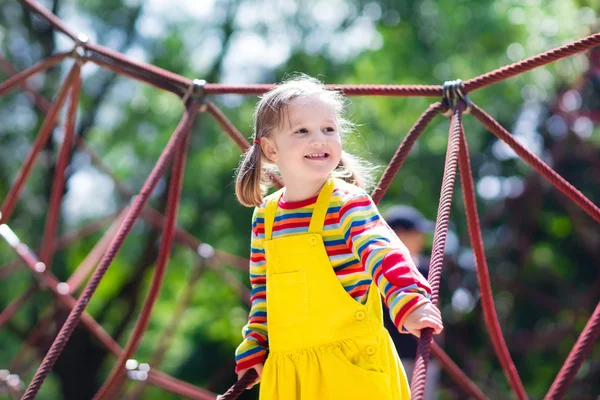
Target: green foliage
<point x="542" y="251"/>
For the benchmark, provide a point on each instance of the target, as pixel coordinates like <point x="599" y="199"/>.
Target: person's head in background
<point x="410" y="226"/>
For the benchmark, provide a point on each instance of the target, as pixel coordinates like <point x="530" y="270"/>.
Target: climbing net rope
<point x="454" y="104"/>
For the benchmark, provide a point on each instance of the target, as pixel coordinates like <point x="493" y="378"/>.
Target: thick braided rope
<point x="73" y="319"/>
<point x="552" y="176"/>
<point x="483" y="277"/>
<point x="439" y="243"/>
<point x="58" y="184"/>
<point x="95" y="255"/>
<point x="532" y="62"/>
<point x="240" y="386"/>
<point x="402" y="152"/>
<point x="578" y="354"/>
<point x="348" y="90"/>
<point x="112" y="384"/>
<point x="40" y="141"/>
<point x="155" y="218"/>
<point x="154" y="377"/>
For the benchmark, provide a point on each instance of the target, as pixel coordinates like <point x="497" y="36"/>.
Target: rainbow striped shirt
<point x="361" y="247"/>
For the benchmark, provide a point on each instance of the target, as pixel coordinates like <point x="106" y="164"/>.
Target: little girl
<point x="321" y="254"/>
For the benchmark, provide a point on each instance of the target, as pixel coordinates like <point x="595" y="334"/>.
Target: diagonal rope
<point x="552" y="176"/>
<point x="580" y="351"/>
<point x="402" y="152"/>
<point x="38" y="145"/>
<point x="20" y="77"/>
<point x="155" y="377"/>
<point x="114" y="380"/>
<point x="520" y="67"/>
<point x="136" y="208"/>
<point x="51" y="18"/>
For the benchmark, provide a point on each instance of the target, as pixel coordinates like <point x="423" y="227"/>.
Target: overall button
<point x="360" y="315"/>
<point x="313" y="240"/>
<point x="370" y="350"/>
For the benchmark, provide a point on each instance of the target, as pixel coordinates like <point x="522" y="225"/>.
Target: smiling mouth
<point x="317" y="156"/>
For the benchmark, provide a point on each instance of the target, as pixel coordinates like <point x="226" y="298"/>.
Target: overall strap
<point x="270" y="210"/>
<point x="320" y="211"/>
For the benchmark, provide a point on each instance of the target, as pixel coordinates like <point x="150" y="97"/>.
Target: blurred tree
<point x="541" y="249"/>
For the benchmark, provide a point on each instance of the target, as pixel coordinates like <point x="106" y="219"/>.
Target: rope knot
<point x="452" y="92"/>
<point x="80" y="50"/>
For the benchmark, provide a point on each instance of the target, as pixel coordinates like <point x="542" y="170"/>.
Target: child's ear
<point x="269" y="148"/>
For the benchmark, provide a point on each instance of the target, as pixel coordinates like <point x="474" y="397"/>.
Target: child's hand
<point x="425" y="316"/>
<point x="258" y="368"/>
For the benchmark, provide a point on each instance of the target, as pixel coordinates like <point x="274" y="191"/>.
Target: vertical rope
<point x="439" y="243"/>
<point x="487" y="298"/>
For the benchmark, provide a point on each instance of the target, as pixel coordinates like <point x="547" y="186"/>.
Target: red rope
<point x="533" y="160"/>
<point x="95" y="255"/>
<point x="142" y="198"/>
<point x="164" y="341"/>
<point x="51" y="18"/>
<point x="240" y="386"/>
<point x="177" y="84"/>
<point x="42" y="138"/>
<point x="155" y="377"/>
<point x="58" y="186"/>
<point x="578" y="354"/>
<point x="21" y="77"/>
<point x="456" y="373"/>
<point x="437" y="252"/>
<point x="402" y="152"/>
<point x="520" y="67"/>
<point x="16" y="305"/>
<point x="487" y="298"/>
<point x="39" y="101"/>
<point x="155" y="218"/>
<point x="114" y="381"/>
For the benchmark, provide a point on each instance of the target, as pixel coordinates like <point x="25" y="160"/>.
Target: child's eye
<point x="302" y="130"/>
<point x="329" y="129"/>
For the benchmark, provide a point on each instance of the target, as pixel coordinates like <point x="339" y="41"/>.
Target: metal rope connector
<point x="80" y="49"/>
<point x="453" y="91"/>
<point x="197" y="92"/>
<point x="11" y="384"/>
<point x="205" y="251"/>
<point x="137" y="371"/>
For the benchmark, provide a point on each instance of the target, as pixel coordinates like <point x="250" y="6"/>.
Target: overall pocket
<point x="290" y="303"/>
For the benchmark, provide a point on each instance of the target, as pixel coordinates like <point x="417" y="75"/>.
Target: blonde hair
<point x="253" y="174"/>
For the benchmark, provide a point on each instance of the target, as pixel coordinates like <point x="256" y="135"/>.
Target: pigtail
<point x="355" y="171"/>
<point x="248" y="182"/>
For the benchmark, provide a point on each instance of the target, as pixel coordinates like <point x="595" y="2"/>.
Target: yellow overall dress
<point x="323" y="343"/>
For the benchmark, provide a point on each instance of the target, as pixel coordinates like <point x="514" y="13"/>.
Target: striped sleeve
<point x="383" y="257"/>
<point x="253" y="349"/>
